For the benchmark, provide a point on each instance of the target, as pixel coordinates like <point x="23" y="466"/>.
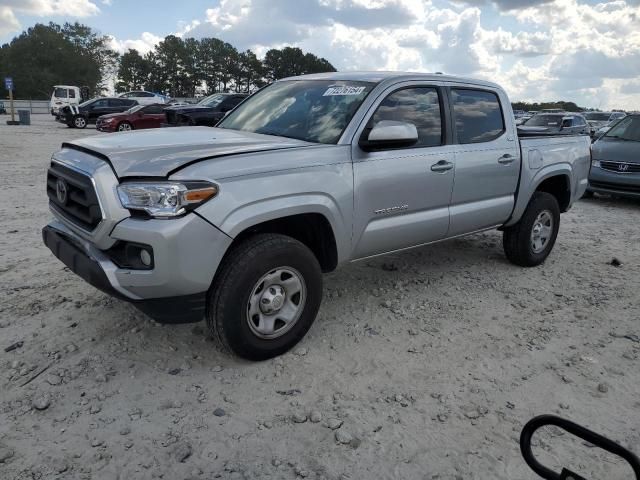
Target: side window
<point x="72" y="93"/>
<point x="419" y="106"/>
<point x="153" y="110"/>
<point x="116" y="102"/>
<point x="478" y="115"/>
<point x="99" y="104"/>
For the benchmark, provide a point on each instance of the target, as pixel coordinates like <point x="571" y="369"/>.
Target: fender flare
<point x="249" y="215"/>
<point x="523" y="196"/>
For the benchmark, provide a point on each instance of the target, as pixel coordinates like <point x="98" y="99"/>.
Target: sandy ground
<point x="421" y="365"/>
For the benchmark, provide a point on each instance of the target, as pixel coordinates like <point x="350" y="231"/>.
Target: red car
<point x="136" y="118"/>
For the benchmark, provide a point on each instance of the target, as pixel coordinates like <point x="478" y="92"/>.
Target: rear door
<point x="401" y="195"/>
<point x="487" y="159"/>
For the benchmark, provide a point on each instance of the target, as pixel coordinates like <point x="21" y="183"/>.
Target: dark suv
<point x="78" y="116"/>
<point x="555" y="124"/>
<point x="207" y="111"/>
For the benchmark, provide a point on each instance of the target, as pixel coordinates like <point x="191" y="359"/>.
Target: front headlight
<point x="595" y="163"/>
<point x="165" y="199"/>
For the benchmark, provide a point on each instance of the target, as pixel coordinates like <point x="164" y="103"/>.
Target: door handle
<point x="442" y="166"/>
<point x="506" y="159"/>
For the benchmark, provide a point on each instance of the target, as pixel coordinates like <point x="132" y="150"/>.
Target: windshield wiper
<point x="273" y="133"/>
<point x="624" y="139"/>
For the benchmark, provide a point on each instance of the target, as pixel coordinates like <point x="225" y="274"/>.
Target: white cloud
<point x="8" y="21"/>
<point x="587" y="51"/>
<point x="11" y="9"/>
<point x="144" y="44"/>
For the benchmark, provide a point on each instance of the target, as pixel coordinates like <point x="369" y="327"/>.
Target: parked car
<point x="207" y="111"/>
<point x="3" y="110"/>
<point x="138" y="117"/>
<point x="78" y="116"/>
<point x="237" y="223"/>
<point x="615" y="166"/>
<point x="144" y="98"/>
<point x="63" y="96"/>
<point x="555" y="123"/>
<point x="598" y="120"/>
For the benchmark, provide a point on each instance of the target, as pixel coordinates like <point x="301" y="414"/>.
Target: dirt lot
<point x="421" y="365"/>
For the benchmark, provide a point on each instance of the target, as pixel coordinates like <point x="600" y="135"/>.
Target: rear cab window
<point x="477" y="115"/>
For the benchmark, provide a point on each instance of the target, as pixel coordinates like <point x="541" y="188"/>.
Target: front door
<point x="99" y="108"/>
<point x="401" y="196"/>
<point x="487" y="161"/>
<point x="150" y="117"/>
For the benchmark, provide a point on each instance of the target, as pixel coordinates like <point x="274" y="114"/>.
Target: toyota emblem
<point x="623" y="167"/>
<point x="61" y="191"/>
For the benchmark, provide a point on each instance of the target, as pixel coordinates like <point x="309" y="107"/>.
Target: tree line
<point x="75" y="54"/>
<point x="564" y="106"/>
<point x="185" y="67"/>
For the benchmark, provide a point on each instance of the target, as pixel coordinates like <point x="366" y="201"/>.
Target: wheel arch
<point x="313" y="225"/>
<point x="554" y="179"/>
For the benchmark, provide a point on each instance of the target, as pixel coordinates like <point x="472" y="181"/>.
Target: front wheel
<point x="79" y="122"/>
<point x="529" y="242"/>
<point x="125" y="127"/>
<point x="265" y="296"/>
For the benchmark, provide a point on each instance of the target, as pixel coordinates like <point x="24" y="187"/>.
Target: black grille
<point x="81" y="206"/>
<point x="620" y="167"/>
<point x="616" y="187"/>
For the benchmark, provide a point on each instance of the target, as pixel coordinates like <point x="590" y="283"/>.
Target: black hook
<point x="573" y="428"/>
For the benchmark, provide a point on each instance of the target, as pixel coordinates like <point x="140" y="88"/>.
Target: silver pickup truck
<point x="236" y="223"/>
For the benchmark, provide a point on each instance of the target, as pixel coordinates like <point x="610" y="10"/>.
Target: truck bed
<point x="545" y="155"/>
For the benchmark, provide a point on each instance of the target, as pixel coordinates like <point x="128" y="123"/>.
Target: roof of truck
<point x="378" y="77"/>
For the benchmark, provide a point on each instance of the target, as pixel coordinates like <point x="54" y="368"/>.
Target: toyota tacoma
<point x="236" y="224"/>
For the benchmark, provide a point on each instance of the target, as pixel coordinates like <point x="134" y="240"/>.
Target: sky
<point x="586" y="51"/>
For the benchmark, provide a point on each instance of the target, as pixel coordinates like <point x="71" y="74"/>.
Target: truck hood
<point x="616" y="150"/>
<point x="160" y="152"/>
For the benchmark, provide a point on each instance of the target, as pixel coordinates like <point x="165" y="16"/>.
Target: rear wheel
<point x="125" y="127"/>
<point x="265" y="297"/>
<point x="79" y="121"/>
<point x="529" y="242"/>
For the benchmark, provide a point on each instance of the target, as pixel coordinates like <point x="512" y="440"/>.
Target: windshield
<point x="597" y="116"/>
<point x="84" y="104"/>
<point x="544" y="121"/>
<point x="212" y="100"/>
<point x="626" y="129"/>
<point x="60" y="92"/>
<point x="310" y="110"/>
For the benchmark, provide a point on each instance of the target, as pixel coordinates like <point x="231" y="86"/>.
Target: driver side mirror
<point x="388" y="134"/>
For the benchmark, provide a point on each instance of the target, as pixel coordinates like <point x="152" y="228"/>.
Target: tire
<point x="237" y="289"/>
<point x="518" y="240"/>
<point x="124" y="127"/>
<point x="79" y="121"/>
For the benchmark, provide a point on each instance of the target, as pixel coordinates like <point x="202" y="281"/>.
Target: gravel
<point x="451" y="329"/>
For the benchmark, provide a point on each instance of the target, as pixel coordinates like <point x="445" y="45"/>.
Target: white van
<point x="62" y="96"/>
